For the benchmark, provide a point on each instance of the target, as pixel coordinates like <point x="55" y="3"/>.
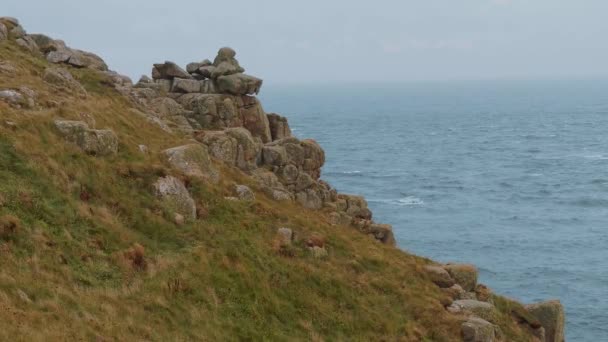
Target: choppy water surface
<point x="510" y="176"/>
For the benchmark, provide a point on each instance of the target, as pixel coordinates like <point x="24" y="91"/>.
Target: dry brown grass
<point x="221" y="277"/>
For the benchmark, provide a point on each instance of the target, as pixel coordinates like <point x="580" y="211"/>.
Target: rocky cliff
<point x="192" y="152"/>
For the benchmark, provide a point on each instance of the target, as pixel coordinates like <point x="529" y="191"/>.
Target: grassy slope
<point x="214" y="279"/>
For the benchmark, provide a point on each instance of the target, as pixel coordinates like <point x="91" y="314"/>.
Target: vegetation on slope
<point x="87" y="251"/>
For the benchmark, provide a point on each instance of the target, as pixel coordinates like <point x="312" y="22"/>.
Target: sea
<point x="511" y="176"/>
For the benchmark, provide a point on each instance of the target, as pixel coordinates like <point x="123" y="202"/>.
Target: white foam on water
<point x="410" y="201"/>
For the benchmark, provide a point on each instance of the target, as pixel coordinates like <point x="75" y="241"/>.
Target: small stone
<point x="11" y="97"/>
<point x="11" y="125"/>
<point x="23" y="296"/>
<point x="439" y="276"/>
<point x="286" y="236"/>
<point x="179" y="219"/>
<point x="464" y="274"/>
<point x="244" y="193"/>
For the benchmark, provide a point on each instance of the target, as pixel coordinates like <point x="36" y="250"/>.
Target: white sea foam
<point x="596" y="156"/>
<point x="410" y="200"/>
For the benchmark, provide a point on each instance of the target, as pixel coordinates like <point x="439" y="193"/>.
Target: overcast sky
<point x="338" y="40"/>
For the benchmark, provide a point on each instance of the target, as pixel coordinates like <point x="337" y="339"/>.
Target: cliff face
<point x="177" y="207"/>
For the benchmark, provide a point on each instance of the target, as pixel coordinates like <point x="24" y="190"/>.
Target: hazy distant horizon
<point x="337" y="42"/>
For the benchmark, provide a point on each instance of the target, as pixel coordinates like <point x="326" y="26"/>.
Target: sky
<point x="323" y="41"/>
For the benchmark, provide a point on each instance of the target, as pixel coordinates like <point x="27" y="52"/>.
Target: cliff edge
<point x="176" y="208"/>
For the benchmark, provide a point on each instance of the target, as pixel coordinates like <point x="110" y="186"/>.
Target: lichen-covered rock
<point x="17" y="32"/>
<point x="279" y="127"/>
<point x="7" y="68"/>
<point x="439" y="276"/>
<point x="465" y="275"/>
<point x="175" y="196"/>
<point x="455" y="291"/>
<point x="285" y="236"/>
<point x="239" y="84"/>
<point x="315" y="157"/>
<point x="60" y="56"/>
<point x="382" y="233"/>
<point x="274" y="155"/>
<point x="310" y="199"/>
<point x="169" y="71"/>
<point x="57" y="52"/>
<point x="181" y="85"/>
<point x="9" y="22"/>
<point x="254" y="118"/>
<point x="225" y="63"/>
<point x="27" y="43"/>
<point x="63" y="78"/>
<point x="118" y="79"/>
<point x="234" y="146"/>
<point x="194" y="66"/>
<point x="480" y="309"/>
<point x="248" y="151"/>
<point x="193" y="160"/>
<point x="12" y="97"/>
<point x="476" y="329"/>
<point x="221" y="146"/>
<point x="166" y="107"/>
<point x="551" y="317"/>
<point x="244" y="193"/>
<point x="47" y="44"/>
<point x="98" y="142"/>
<point x="3" y="32"/>
<point x="272" y="186"/>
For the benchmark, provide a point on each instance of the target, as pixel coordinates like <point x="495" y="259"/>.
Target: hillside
<point x="177" y="209"/>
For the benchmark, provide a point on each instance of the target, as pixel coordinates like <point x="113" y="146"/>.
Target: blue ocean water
<point x="511" y="176"/>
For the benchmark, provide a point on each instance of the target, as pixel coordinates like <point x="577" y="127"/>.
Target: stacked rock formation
<point x="215" y="101"/>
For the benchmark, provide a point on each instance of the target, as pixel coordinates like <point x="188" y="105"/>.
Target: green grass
<point x="217" y="278"/>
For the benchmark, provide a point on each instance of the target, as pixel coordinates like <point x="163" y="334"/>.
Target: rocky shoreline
<point x="214" y="103"/>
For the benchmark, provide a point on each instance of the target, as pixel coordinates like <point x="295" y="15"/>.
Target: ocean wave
<point x="404" y="201"/>
<point x="343" y="173"/>
<point x="596" y="156"/>
<point x="410" y="200"/>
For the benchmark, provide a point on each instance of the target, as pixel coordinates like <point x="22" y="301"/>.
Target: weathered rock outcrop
<point x="63" y="79"/>
<point x="279" y="127"/>
<point x="175" y="196"/>
<point x="98" y="142"/>
<point x="478" y="330"/>
<point x="193" y="160"/>
<point x="552" y="318"/>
